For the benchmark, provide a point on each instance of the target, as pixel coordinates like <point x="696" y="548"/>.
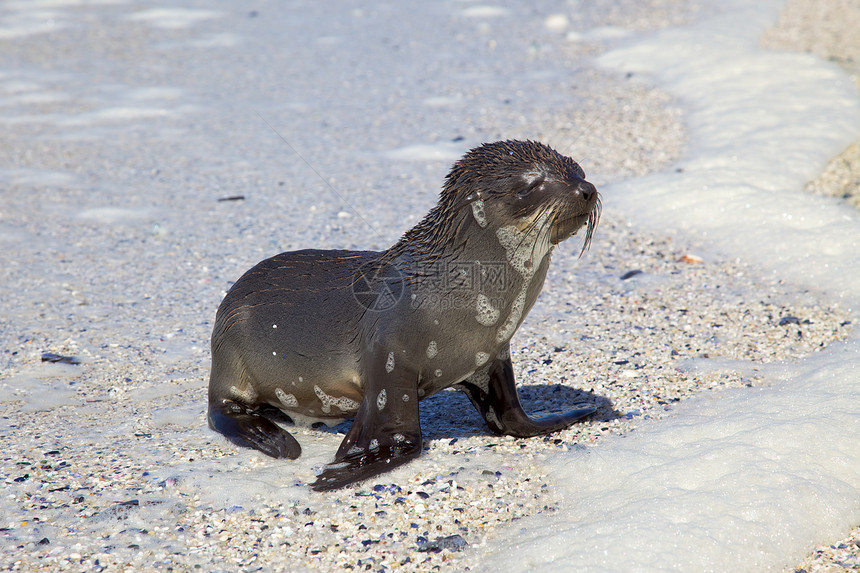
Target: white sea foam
<point x="113" y="215"/>
<point x="427" y="152"/>
<point x="744" y="480"/>
<point x="36" y="177"/>
<point x="174" y="17"/>
<point x="485" y="11"/>
<point x="42" y="387"/>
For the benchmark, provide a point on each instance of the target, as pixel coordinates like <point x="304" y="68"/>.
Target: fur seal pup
<point x="367" y="335"/>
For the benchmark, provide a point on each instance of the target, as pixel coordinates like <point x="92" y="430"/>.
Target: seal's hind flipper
<point x="494" y="394"/>
<point x="246" y="427"/>
<point x="386" y="433"/>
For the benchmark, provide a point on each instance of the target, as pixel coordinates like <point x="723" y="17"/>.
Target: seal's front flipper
<point x="362" y="464"/>
<point x="386" y="433"/>
<point x="494" y="394"/>
<point x="246" y="427"/>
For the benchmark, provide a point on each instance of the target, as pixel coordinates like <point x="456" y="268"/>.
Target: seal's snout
<point x="585" y="189"/>
<point x="579" y="206"/>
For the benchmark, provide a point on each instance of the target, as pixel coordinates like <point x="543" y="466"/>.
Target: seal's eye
<point x="530" y="188"/>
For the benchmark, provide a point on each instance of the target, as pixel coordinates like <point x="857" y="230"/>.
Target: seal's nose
<point x="586" y="189"/>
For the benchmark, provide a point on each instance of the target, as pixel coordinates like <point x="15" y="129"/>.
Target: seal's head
<point x="527" y="183"/>
<point x="521" y="183"/>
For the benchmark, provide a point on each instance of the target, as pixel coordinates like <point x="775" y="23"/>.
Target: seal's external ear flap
<point x="467" y="200"/>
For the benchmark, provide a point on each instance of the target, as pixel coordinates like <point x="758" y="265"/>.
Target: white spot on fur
<point x="398" y="438"/>
<point x="438" y="373"/>
<point x="479" y="213"/>
<point x="432" y="351"/>
<point x="389" y="364"/>
<point x="519" y="249"/>
<point x="422" y="392"/>
<point x="374" y="445"/>
<point x="481" y="358"/>
<point x="524" y="248"/>
<point x="287" y="400"/>
<point x="274" y="353"/>
<point x="510" y="326"/>
<point x="326" y="406"/>
<point x="524" y="251"/>
<point x="274" y="326"/>
<point x="488" y="315"/>
<point x="381" y="399"/>
<point x="503" y="354"/>
<point x="354" y="450"/>
<point x="406" y="397"/>
<point x="244" y="394"/>
<point x="343" y="403"/>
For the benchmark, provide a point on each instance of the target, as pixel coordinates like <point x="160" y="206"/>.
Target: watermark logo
<point x="462" y="277"/>
<point x="453" y="285"/>
<point x="441" y="285"/>
<point x="378" y="287"/>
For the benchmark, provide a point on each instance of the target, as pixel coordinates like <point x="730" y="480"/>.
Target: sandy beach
<point x="150" y="155"/>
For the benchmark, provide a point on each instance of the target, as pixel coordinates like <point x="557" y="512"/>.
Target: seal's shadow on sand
<point x="449" y="413"/>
